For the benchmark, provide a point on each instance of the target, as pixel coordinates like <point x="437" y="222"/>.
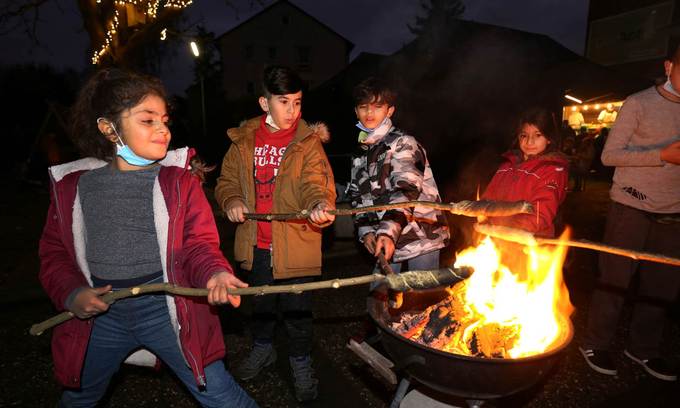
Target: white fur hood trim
<point x="174" y="158"/>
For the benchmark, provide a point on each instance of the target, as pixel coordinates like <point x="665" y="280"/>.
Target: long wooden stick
<point x="467" y="207"/>
<point x="411" y="280"/>
<point x="527" y="238"/>
<point x="111" y="297"/>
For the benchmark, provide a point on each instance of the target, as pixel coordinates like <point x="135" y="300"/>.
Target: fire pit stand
<point x="387" y="369"/>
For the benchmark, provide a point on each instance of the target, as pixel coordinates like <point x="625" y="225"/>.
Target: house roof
<point x="462" y="88"/>
<point x="280" y="3"/>
<point x="479" y="44"/>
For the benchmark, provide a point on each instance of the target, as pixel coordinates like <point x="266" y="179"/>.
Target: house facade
<point x="282" y="33"/>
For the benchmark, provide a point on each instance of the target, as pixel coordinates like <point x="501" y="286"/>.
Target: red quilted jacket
<point x="541" y="180"/>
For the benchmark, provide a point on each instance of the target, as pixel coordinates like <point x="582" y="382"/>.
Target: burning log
<point x="493" y="340"/>
<point x="526" y="238"/>
<point x="448" y="326"/>
<point x="468" y="208"/>
<point x="412" y="280"/>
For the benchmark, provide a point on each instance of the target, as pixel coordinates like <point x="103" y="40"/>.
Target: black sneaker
<point x="306" y="385"/>
<point x="656" y="367"/>
<point x="599" y="360"/>
<point x="261" y="356"/>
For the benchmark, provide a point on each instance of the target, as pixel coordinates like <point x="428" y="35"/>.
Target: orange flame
<point x="531" y="309"/>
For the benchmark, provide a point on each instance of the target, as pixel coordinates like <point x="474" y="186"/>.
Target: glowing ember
<point x="495" y="312"/>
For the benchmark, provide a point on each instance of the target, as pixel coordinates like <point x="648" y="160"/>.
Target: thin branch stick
<point x="110" y="297"/>
<point x="527" y="238"/>
<point x="467" y="207"/>
<point x="406" y="281"/>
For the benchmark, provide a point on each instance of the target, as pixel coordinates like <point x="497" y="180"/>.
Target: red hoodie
<point x="541" y="180"/>
<point x="269" y="150"/>
<point x="190" y="255"/>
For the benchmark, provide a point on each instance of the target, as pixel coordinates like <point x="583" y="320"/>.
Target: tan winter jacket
<point x="304" y="180"/>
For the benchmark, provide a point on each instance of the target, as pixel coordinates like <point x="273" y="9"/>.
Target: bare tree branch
<point x="20" y="13"/>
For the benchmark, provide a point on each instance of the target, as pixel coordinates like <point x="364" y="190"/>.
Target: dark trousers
<point x="658" y="287"/>
<point x="295" y="309"/>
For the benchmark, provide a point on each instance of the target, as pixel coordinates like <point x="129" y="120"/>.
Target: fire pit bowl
<point x="472" y="378"/>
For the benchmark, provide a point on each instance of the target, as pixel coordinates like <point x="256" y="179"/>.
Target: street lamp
<point x="197" y="54"/>
<point x="194" y="49"/>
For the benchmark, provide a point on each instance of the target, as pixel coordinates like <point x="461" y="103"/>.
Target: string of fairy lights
<point x="150" y="8"/>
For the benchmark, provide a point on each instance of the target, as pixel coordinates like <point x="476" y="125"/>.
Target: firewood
<point x="493" y="340"/>
<point x="449" y="326"/>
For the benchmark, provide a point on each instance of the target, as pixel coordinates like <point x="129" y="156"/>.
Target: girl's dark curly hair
<point x="199" y="168"/>
<point x="107" y="94"/>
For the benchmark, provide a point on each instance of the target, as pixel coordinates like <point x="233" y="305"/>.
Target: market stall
<point x="591" y="117"/>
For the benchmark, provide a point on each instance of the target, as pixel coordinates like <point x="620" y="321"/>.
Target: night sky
<point x="372" y="25"/>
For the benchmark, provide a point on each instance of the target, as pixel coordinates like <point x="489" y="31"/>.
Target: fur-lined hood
<point x="174" y="158"/>
<point x="304" y="130"/>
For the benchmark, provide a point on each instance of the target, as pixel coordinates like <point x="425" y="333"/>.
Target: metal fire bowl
<point x="453" y="374"/>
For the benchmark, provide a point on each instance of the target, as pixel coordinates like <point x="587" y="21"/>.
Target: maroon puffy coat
<point x="541" y="180"/>
<point x="191" y="254"/>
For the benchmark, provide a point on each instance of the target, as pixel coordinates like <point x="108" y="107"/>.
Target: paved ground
<point x="25" y="362"/>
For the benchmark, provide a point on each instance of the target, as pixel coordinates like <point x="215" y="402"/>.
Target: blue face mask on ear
<point x="125" y="153"/>
<point x="130" y="157"/>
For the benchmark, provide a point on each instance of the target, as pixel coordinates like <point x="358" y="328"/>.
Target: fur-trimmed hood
<point x="304" y="130"/>
<point x="174" y="158"/>
<point x="321" y="130"/>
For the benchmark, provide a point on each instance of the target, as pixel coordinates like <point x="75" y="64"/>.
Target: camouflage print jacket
<point x="395" y="169"/>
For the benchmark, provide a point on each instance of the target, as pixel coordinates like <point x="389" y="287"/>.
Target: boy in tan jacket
<point x="276" y="163"/>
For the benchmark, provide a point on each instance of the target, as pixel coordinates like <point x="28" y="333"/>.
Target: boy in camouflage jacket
<point x="392" y="167"/>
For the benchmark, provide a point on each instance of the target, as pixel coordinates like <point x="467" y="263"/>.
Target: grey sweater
<point x="121" y="239"/>
<point x="646" y="124"/>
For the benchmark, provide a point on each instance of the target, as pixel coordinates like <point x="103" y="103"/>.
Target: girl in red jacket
<point x="534" y="171"/>
<point x="133" y="213"/>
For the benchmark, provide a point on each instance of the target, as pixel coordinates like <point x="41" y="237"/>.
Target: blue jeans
<point x="422" y="262"/>
<point x="144" y="321"/>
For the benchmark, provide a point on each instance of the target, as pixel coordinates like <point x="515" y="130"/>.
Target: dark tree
<point x="120" y="31"/>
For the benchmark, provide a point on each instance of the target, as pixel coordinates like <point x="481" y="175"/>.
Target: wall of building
<point x="632" y="35"/>
<point x="281" y="34"/>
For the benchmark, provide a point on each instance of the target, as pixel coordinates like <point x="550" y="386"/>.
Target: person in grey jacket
<point x="644" y="146"/>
